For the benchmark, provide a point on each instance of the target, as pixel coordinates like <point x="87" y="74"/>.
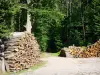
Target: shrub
<point x="47" y="28"/>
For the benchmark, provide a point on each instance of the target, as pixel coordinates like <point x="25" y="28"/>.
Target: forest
<point x="55" y="23"/>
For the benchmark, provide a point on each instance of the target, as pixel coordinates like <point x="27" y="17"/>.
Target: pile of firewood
<point x="93" y="50"/>
<point x="76" y="51"/>
<point x="83" y="52"/>
<point x="22" y="52"/>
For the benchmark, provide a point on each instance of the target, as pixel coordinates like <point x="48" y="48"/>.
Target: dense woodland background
<point x="55" y="23"/>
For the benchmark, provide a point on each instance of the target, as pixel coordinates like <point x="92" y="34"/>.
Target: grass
<point x="54" y="54"/>
<point x="46" y="54"/>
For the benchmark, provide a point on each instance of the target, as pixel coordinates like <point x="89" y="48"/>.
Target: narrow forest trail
<point x="68" y="66"/>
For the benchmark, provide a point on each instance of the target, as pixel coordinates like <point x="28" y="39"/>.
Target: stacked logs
<point x="93" y="50"/>
<point x="22" y="52"/>
<point x="83" y="52"/>
<point x="77" y="52"/>
<point x="89" y="51"/>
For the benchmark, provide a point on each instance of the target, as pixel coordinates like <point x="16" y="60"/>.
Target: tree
<point x="7" y="10"/>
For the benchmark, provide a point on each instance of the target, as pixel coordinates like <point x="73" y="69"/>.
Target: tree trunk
<point x="28" y="25"/>
<point x="82" y="17"/>
<point x="83" y="28"/>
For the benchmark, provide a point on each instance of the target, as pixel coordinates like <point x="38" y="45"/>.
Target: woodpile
<point x="22" y="52"/>
<point x="76" y="51"/>
<point x="84" y="52"/>
<point x="90" y="51"/>
<point x="93" y="50"/>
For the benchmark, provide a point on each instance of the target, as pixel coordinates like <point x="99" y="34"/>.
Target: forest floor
<point x="67" y="66"/>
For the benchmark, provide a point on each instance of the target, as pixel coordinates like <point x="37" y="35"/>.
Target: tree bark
<point x="28" y="25"/>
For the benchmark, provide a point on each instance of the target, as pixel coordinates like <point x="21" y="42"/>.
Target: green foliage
<point x="79" y="24"/>
<point x="92" y="15"/>
<point x="44" y="4"/>
<point x="4" y="31"/>
<point x="7" y="10"/>
<point x="13" y="16"/>
<point x="20" y="19"/>
<point x="47" y="28"/>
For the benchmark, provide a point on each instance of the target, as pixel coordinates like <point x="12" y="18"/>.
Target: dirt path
<point x="68" y="66"/>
